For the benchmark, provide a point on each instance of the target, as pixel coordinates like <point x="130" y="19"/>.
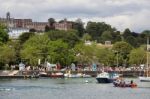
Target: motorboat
<point x="43" y="74"/>
<point x="68" y="75"/>
<point x="57" y="75"/>
<point x="86" y="76"/>
<point x="106" y="77"/>
<point x="52" y="75"/>
<point x="123" y="84"/>
<point x="144" y="79"/>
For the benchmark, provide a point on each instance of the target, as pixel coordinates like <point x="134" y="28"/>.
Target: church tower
<point x="9" y="20"/>
<point x="8" y="16"/>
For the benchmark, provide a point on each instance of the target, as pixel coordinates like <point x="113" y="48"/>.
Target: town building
<point x="14" y="33"/>
<point x="64" y="25"/>
<point x="18" y="26"/>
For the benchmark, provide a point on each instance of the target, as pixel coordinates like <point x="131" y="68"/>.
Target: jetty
<point x="11" y="74"/>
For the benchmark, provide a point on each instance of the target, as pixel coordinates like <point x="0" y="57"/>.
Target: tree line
<point x="66" y="47"/>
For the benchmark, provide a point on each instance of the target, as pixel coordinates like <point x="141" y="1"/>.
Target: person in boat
<point x="132" y="84"/>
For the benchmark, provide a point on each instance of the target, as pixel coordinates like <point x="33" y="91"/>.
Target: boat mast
<point x="147" y="54"/>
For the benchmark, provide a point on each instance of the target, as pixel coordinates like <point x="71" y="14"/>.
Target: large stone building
<point x="18" y="26"/>
<point x="64" y="25"/>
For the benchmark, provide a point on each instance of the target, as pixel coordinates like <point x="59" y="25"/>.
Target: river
<point x="69" y="89"/>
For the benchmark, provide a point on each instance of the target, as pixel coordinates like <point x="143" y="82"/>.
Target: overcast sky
<point x="132" y="14"/>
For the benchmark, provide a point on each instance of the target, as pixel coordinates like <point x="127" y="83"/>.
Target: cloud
<point x="121" y="14"/>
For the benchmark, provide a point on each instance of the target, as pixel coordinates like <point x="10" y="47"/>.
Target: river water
<point x="69" y="89"/>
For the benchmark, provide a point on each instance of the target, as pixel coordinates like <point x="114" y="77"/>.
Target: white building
<point x="14" y="33"/>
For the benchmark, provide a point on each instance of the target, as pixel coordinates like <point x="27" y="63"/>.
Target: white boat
<point x="86" y="76"/>
<point x="78" y="75"/>
<point x="146" y="78"/>
<point x="105" y="77"/>
<point x="69" y="75"/>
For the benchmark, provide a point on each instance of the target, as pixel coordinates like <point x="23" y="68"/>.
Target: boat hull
<point x="144" y="79"/>
<point x="57" y="76"/>
<point x="104" y="80"/>
<point x="125" y="85"/>
<point x="52" y="75"/>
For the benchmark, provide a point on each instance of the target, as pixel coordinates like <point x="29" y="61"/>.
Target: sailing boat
<point x="146" y="78"/>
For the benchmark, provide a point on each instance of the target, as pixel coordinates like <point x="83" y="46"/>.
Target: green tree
<point x="78" y="25"/>
<point x="132" y="40"/>
<point x="32" y="30"/>
<point x="35" y="48"/>
<point x="96" y="29"/>
<point x="3" y="34"/>
<point x="40" y="47"/>
<point x="47" y="28"/>
<point x="142" y="38"/>
<point x="25" y="36"/>
<point x="147" y="32"/>
<point x="86" y="37"/>
<point x="17" y="47"/>
<point x="69" y="37"/>
<point x="60" y="53"/>
<point x="51" y="22"/>
<point x="7" y="54"/>
<point x="123" y="49"/>
<point x="126" y="33"/>
<point x="137" y="56"/>
<point x="116" y="36"/>
<point x="105" y="56"/>
<point x="85" y="53"/>
<point x="106" y="36"/>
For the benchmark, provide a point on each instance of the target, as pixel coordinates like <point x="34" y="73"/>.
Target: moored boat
<point x="52" y="75"/>
<point x="57" y="75"/>
<point x="144" y="79"/>
<point x="105" y="77"/>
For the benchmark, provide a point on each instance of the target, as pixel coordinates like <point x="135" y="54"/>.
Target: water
<point x="69" y="89"/>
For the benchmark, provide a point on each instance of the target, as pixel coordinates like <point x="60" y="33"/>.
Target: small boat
<point x="105" y="77"/>
<point x="86" y="76"/>
<point x="57" y="75"/>
<point x="72" y="75"/>
<point x="144" y="79"/>
<point x="52" y="75"/>
<point x="43" y="74"/>
<point x="123" y="84"/>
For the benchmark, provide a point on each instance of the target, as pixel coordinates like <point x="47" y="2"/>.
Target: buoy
<point x="86" y="81"/>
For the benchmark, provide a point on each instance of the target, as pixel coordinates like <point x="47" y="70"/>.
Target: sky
<point x="121" y="14"/>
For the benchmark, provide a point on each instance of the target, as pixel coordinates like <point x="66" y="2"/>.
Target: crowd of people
<point x="79" y="68"/>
